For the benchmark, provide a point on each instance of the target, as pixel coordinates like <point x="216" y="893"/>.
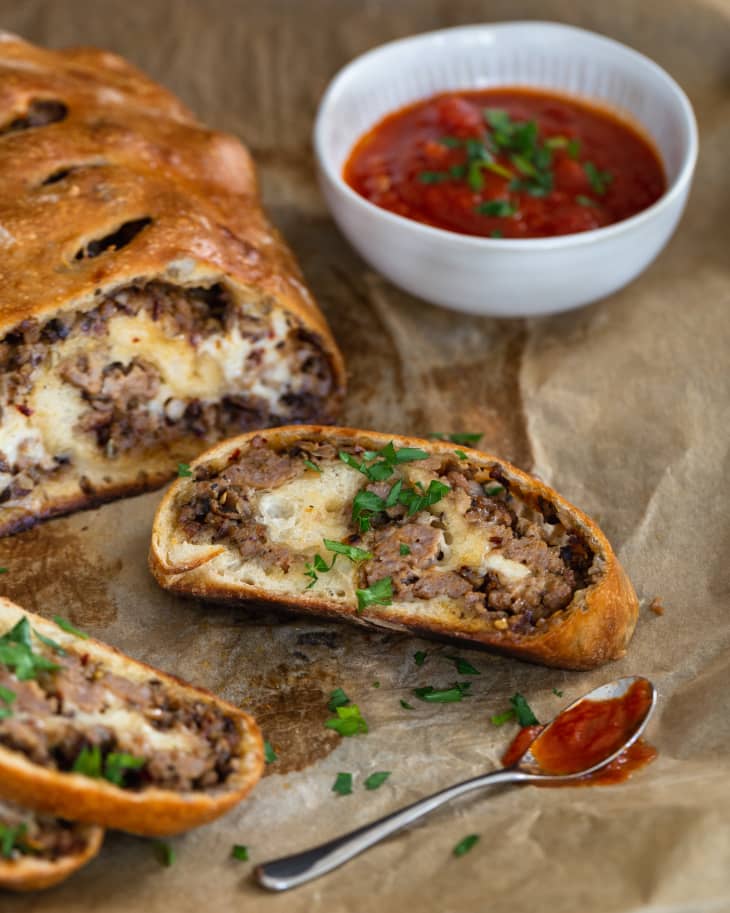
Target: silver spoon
<point x="291" y="871"/>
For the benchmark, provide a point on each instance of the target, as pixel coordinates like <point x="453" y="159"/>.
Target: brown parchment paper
<point x="623" y="407"/>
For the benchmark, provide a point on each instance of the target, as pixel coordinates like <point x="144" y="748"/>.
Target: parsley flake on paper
<point x="343" y="784"/>
<point x="348" y="721"/>
<point x="376" y="780"/>
<point x="463" y="846"/>
<point x="269" y="754"/>
<point x="240" y="852"/>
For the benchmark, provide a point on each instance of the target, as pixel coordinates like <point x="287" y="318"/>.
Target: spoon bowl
<point x="583" y="739"/>
<point x="608" y="720"/>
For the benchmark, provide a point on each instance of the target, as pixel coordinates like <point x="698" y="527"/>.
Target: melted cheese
<point x="218" y="366"/>
<point x="301" y="513"/>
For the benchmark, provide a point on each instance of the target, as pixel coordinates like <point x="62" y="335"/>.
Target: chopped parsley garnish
<point x="318" y="566"/>
<point x="16" y="652"/>
<point x="310" y="465"/>
<point x="269" y="754"/>
<point x="376" y="780"/>
<point x="463" y="846"/>
<point x="349" y="721"/>
<point x="457" y="437"/>
<point x="457" y="692"/>
<point x="525" y="716"/>
<point x="499" y="208"/>
<point x="338" y="698"/>
<point x="184" y="471"/>
<point x="520" y="710"/>
<point x="11" y="838"/>
<point x="69" y="628"/>
<point x="343" y="784"/>
<point x="557" y="693"/>
<point x="240" y="852"/>
<point x="3" y="570"/>
<point x="419" y="657"/>
<point x="416" y="502"/>
<point x="349" y="551"/>
<point x="463" y="666"/>
<point x="164" y="853"/>
<point x="376" y="684"/>
<point x="117" y="764"/>
<point x="382" y="462"/>
<point x="49" y="642"/>
<point x="433" y="177"/>
<point x="585" y="201"/>
<point x="7" y="697"/>
<point x="461" y="455"/>
<point x="404" y="549"/>
<point x="496" y="233"/>
<point x="89" y="763"/>
<point x="406" y="706"/>
<point x="380" y="593"/>
<point x="499" y="719"/>
<point x="599" y="180"/>
<point x="494" y="489"/>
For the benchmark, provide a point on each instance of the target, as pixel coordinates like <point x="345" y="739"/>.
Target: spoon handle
<point x="291" y="871"/>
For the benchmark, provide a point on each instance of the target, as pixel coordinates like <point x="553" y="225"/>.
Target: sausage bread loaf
<point x="397" y="532"/>
<point x="148" y="307"/>
<point x="37" y="851"/>
<point x="89" y="734"/>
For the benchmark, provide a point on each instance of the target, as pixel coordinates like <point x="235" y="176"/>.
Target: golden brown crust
<point x="29" y="873"/>
<point x="152" y="811"/>
<point x="132" y="151"/>
<point x="596" y="627"/>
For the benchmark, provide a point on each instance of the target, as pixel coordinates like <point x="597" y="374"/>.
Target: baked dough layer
<point x="132" y="236"/>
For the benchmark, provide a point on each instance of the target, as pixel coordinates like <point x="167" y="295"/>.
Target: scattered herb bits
<point x="240" y="852"/>
<point x="69" y="628"/>
<point x="457" y="692"/>
<point x="520" y="710"/>
<point x="343" y="784"/>
<point x="184" y="471"/>
<point x="419" y="657"/>
<point x="557" y="693"/>
<point x="269" y="754"/>
<point x="463" y="666"/>
<point x="406" y="706"/>
<point x="6" y="699"/>
<point x="164" y="853"/>
<point x="463" y="846"/>
<point x="348" y="721"/>
<point x="338" y="698"/>
<point x="467" y="438"/>
<point x="376" y="780"/>
<point x="380" y="593"/>
<point x="313" y="466"/>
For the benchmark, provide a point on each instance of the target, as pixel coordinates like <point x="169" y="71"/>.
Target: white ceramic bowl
<point x="508" y="278"/>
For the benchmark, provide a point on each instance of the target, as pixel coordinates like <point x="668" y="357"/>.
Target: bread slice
<point x="148" y="307"/>
<point x="38" y="851"/>
<point x="97" y="737"/>
<point x="453" y="543"/>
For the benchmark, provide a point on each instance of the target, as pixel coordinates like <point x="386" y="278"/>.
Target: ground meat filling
<point x="221" y="508"/>
<point x="77" y="708"/>
<point x="531" y="567"/>
<point x="122" y="410"/>
<point x="39" y="836"/>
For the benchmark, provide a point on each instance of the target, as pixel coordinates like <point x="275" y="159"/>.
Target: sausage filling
<point x="82" y="717"/>
<point x="150" y="366"/>
<point x="25" y="833"/>
<point x="436" y="528"/>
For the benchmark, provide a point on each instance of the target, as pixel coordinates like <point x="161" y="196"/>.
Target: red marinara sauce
<point x="582" y="736"/>
<point x="507" y="162"/>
